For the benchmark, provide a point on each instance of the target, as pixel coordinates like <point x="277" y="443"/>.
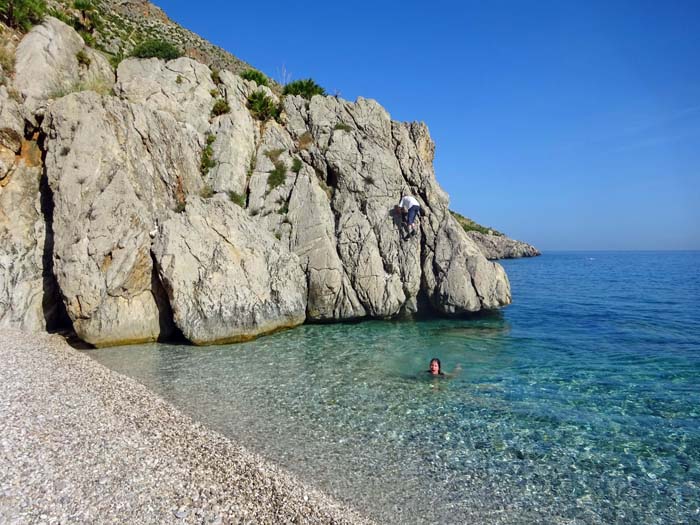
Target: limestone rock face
<point x="501" y="247"/>
<point x="236" y="135"/>
<point x="345" y="167"/>
<point x="26" y="286"/>
<point x="11" y="132"/>
<point x="47" y="64"/>
<point x="181" y="87"/>
<point x="226" y="279"/>
<point x="116" y="170"/>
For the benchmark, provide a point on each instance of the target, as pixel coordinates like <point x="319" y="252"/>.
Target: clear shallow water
<point x="580" y="403"/>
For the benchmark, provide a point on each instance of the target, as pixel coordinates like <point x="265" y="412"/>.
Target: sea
<point x="579" y="403"/>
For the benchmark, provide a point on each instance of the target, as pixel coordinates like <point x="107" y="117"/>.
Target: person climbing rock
<point x="412" y="208"/>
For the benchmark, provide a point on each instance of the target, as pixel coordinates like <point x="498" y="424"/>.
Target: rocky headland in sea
<point x="157" y="199"/>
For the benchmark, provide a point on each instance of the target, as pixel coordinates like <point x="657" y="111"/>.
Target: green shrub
<point x="262" y="107"/>
<point x="307" y="88"/>
<point x="255" y="76"/>
<point x="296" y="165"/>
<point x="83" y="5"/>
<point x="208" y="162"/>
<point x="156" y="49"/>
<point x="237" y="198"/>
<point x="215" y="76"/>
<point x="276" y="176"/>
<point x="180" y="207"/>
<point x="87" y="38"/>
<point x="83" y="58"/>
<point x="214" y="93"/>
<point x="220" y="107"/>
<point x="178" y="80"/>
<point x="206" y="193"/>
<point x="343" y="127"/>
<point x="22" y="14"/>
<point x="284" y="209"/>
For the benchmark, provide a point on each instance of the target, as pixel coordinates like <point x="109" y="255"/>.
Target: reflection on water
<point x="562" y="412"/>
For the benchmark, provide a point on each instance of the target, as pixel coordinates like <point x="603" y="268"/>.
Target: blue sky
<point x="567" y="124"/>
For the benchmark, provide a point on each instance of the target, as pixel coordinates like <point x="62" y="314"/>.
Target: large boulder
<point x="116" y="170"/>
<point x="502" y="247"/>
<point x="226" y="279"/>
<point x="52" y="60"/>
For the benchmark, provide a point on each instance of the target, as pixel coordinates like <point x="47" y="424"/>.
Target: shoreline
<point x="84" y="444"/>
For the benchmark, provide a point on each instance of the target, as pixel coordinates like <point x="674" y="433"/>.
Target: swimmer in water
<point x="435" y="369"/>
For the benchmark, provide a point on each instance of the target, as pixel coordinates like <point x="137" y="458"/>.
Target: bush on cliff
<point x="262" y="107"/>
<point x="307" y="88"/>
<point x="156" y="49"/>
<point x="277" y="176"/>
<point x="255" y="76"/>
<point x="22" y="14"/>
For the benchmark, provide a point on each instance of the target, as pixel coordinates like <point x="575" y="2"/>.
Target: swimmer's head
<point x="435" y="367"/>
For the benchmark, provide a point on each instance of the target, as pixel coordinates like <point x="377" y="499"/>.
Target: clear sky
<point x="568" y="124"/>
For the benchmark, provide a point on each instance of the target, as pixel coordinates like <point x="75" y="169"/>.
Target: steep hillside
<point x="116" y="27"/>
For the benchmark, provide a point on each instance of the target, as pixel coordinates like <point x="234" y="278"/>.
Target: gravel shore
<point x="83" y="444"/>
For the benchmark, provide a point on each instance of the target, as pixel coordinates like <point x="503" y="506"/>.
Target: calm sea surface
<point x="580" y="403"/>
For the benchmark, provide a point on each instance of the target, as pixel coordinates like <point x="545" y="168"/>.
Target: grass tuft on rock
<point x="237" y="198"/>
<point x="207" y="162"/>
<point x="277" y="176"/>
<point x="296" y="165"/>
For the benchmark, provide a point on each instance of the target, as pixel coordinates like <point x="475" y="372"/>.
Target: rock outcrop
<point x="53" y="60"/>
<point x="24" y="283"/>
<point x="116" y="171"/>
<point x="502" y="247"/>
<point x="226" y="280"/>
<point x="168" y="215"/>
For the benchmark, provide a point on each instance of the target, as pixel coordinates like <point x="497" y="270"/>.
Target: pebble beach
<point x="83" y="444"/>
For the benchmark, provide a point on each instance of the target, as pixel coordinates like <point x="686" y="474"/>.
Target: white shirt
<point x="408" y="202"/>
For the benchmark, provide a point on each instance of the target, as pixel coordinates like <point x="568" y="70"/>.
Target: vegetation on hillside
<point x="307" y="88"/>
<point x="255" y="76"/>
<point x="22" y="14"/>
<point x="262" y="107"/>
<point x="470" y="225"/>
<point x="156" y="49"/>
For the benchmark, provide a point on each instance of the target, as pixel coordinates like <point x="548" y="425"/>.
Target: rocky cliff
<point x="159" y="202"/>
<point x="502" y="247"/>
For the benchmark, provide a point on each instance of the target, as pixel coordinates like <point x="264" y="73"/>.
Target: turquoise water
<point x="580" y="403"/>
